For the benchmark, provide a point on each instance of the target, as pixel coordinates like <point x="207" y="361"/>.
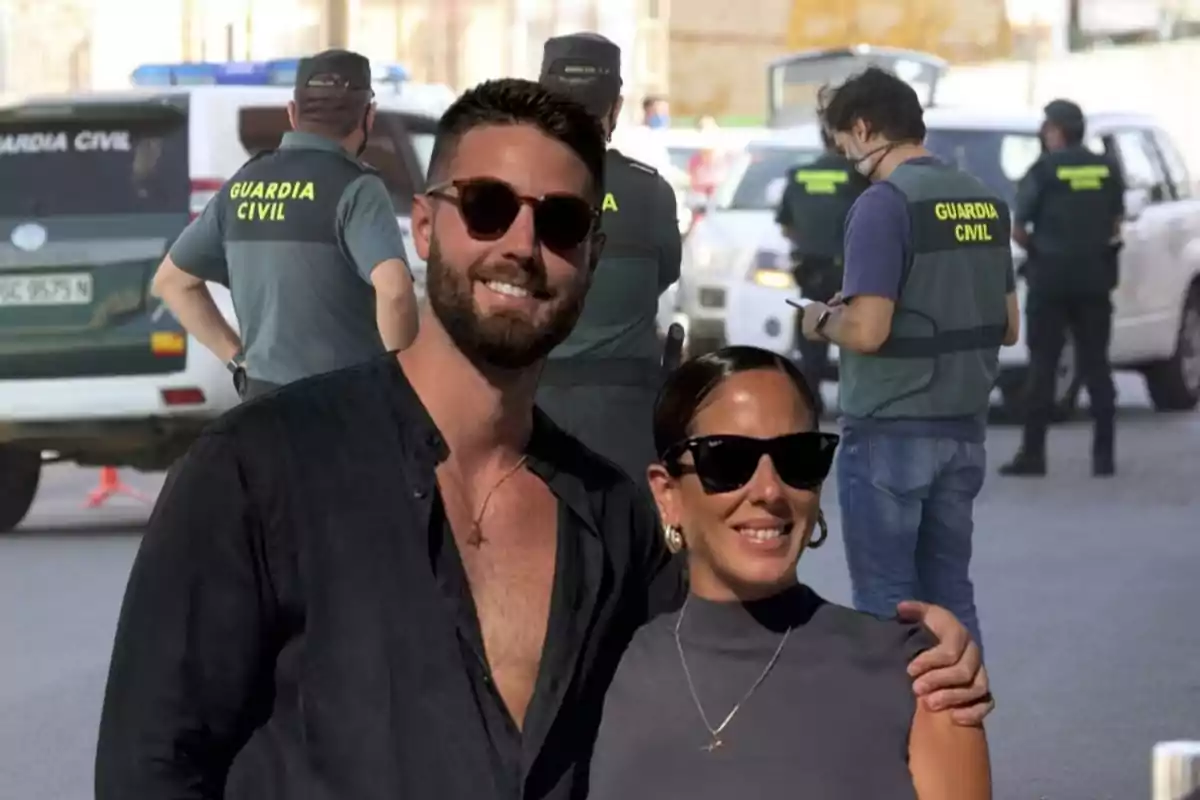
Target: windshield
<point x="76" y="160"/>
<point x="423" y="147"/>
<point x="756" y="173"/>
<point x="998" y="158"/>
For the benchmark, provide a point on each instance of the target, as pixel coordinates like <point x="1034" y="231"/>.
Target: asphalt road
<point x="1089" y="596"/>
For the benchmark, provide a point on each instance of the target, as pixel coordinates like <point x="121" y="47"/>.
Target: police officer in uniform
<point x="1074" y="201"/>
<point x="306" y="239"/>
<point x="600" y="384"/>
<point x="812" y="214"/>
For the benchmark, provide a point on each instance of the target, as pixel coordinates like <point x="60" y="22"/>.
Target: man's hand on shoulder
<point x="950" y="675"/>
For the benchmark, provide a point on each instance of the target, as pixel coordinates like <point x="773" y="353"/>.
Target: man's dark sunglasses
<point x="727" y="463"/>
<point x="489" y="207"/>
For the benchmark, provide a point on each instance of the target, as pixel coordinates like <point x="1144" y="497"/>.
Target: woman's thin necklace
<point x="476" y="539"/>
<point x="716" y="732"/>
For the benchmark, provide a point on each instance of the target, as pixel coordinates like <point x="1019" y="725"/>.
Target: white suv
<point x="1156" y="306"/>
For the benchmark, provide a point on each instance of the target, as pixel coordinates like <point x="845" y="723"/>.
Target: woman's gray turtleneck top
<point x="829" y="722"/>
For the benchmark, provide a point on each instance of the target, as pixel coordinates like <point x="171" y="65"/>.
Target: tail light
<point x="182" y="397"/>
<point x="203" y="190"/>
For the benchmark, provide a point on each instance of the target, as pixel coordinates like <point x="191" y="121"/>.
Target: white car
<point x="93" y="190"/>
<point x="1156" y="323"/>
<point x="734" y="232"/>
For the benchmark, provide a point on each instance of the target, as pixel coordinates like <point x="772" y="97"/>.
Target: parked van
<point x="94" y="188"/>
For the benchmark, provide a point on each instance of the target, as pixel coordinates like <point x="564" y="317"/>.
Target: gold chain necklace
<point x="476" y="539"/>
<point x="716" y="732"/>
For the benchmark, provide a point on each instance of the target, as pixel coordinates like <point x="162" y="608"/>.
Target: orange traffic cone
<point x="110" y="485"/>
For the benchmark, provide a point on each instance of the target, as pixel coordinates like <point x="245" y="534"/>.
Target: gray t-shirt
<point x="830" y="721"/>
<point x="304" y="300"/>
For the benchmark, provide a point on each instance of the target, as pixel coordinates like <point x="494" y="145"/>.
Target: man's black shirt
<point x="298" y="621"/>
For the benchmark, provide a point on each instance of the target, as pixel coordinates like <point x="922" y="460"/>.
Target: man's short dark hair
<point x="1069" y="118"/>
<point x="887" y="105"/>
<point x="331" y="112"/>
<point x="513" y="101"/>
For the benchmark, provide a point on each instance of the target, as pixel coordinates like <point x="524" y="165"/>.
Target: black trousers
<point x="819" y="279"/>
<point x="1088" y="318"/>
<point x="608" y="404"/>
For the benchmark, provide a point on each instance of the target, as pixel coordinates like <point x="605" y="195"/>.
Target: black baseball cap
<point x="334" y="69"/>
<point x="584" y="66"/>
<point x="1064" y="113"/>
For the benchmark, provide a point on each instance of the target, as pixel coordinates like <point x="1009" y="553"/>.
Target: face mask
<point x="362" y="148"/>
<point x="657" y="121"/>
<point x="863" y="163"/>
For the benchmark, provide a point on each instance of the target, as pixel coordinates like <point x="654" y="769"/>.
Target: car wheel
<point x="1174" y="384"/>
<point x="20" y="471"/>
<point x="1013" y="384"/>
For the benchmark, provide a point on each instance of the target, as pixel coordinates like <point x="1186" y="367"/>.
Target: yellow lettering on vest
<point x="941" y="211"/>
<point x="609" y="204"/>
<point x="273" y="193"/>
<point x="821" y="181"/>
<point x="261" y="212"/>
<point x="972" y="232"/>
<point x="1087" y="178"/>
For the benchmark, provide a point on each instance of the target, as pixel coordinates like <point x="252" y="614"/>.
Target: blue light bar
<point x="275" y="72"/>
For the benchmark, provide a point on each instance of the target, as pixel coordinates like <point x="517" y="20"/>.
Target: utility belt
<point x="1082" y="272"/>
<point x="643" y="373"/>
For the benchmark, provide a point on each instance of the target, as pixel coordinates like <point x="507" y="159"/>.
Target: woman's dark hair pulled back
<point x="690" y="385"/>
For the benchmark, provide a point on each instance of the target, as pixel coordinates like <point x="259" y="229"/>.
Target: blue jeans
<point x="907" y="505"/>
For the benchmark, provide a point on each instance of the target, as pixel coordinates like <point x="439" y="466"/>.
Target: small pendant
<point x="713" y="745"/>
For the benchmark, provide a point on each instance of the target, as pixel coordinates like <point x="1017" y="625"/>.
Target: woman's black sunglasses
<point x="489" y="207"/>
<point x="727" y="463"/>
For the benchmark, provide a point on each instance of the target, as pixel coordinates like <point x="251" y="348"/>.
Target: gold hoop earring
<point x="674" y="538"/>
<point x="823" y="527"/>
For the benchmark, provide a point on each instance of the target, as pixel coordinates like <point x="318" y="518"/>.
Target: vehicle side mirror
<point x="1136" y="201"/>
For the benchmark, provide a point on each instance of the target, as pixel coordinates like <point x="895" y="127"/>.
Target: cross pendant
<point x="713" y="745"/>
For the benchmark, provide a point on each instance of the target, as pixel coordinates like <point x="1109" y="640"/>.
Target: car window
<point x="93" y="160"/>
<point x="749" y="184"/>
<point x="681" y="156"/>
<point x="997" y="158"/>
<point x="1140" y="164"/>
<point x="421" y="132"/>
<point x="389" y="150"/>
<point x="1177" y="171"/>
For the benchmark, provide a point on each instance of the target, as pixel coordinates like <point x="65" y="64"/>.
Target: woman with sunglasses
<point x="757" y="687"/>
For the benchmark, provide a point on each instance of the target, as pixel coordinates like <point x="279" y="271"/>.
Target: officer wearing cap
<point x="1068" y="215"/>
<point x="306" y="239"/>
<point x="812" y="215"/>
<point x="601" y="382"/>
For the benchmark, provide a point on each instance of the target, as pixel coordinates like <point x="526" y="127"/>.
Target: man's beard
<point x="500" y="340"/>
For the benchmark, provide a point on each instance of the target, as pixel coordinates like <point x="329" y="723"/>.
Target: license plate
<point x="712" y="298"/>
<point x="71" y="289"/>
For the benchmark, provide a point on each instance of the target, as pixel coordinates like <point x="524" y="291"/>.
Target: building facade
<point x="64" y="45"/>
